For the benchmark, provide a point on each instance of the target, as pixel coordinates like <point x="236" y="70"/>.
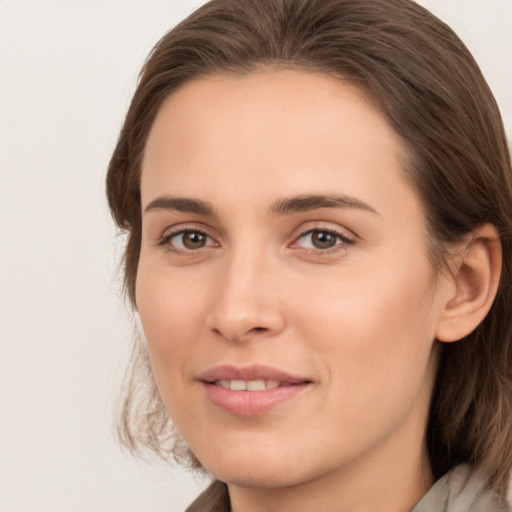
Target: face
<point x="284" y="285"/>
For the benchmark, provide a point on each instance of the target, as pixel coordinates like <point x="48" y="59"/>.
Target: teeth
<point x="249" y="385"/>
<point x="255" y="385"/>
<point x="238" y="385"/>
<point x="271" y="384"/>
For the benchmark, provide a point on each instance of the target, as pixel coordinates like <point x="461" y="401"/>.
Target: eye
<point x="188" y="240"/>
<point x="321" y="240"/>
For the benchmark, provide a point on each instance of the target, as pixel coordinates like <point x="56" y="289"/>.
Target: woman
<point x="318" y="201"/>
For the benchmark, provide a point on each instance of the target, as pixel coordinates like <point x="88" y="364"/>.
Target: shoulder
<point x="462" y="490"/>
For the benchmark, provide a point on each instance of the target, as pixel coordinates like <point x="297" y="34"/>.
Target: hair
<point x="431" y="91"/>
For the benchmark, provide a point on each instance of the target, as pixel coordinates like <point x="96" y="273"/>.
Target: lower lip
<point x="252" y="403"/>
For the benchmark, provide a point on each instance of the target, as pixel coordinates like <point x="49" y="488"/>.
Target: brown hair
<point x="433" y="94"/>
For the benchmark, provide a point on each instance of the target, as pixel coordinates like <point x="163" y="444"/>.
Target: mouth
<point x="249" y="385"/>
<point x="253" y="390"/>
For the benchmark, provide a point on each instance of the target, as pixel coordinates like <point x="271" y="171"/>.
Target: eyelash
<point x="167" y="238"/>
<point x="342" y="241"/>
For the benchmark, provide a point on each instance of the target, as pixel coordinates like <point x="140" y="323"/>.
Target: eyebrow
<point x="304" y="203"/>
<point x="181" y="204"/>
<point x="285" y="206"/>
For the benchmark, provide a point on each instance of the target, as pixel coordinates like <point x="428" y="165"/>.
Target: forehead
<point x="298" y="106"/>
<point x="289" y="131"/>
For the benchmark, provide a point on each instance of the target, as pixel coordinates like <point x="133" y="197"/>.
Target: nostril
<point x="240" y="323"/>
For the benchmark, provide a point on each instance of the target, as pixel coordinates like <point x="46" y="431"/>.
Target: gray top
<point x="460" y="490"/>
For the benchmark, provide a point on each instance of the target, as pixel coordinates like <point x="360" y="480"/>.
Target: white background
<point x="67" y="72"/>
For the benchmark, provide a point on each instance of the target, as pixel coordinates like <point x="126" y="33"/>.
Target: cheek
<point x="373" y="343"/>
<point x="170" y="310"/>
<point x="375" y="330"/>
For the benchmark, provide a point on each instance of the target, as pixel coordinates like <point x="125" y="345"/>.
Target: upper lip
<point x="248" y="373"/>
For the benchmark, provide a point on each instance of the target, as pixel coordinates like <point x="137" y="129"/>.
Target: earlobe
<point x="474" y="283"/>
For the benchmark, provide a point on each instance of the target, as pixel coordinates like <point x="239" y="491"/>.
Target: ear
<point x="473" y="284"/>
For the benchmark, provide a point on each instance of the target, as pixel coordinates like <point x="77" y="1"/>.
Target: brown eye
<point x="323" y="239"/>
<point x="190" y="240"/>
<point x="194" y="240"/>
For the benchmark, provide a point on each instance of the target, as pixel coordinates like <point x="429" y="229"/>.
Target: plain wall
<point x="67" y="71"/>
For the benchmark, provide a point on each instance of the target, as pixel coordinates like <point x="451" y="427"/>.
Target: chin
<point x="252" y="468"/>
<point x="259" y="476"/>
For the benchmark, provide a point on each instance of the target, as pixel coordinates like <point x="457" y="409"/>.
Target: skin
<point x="359" y="319"/>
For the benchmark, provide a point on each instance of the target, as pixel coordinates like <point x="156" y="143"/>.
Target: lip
<point x="252" y="372"/>
<point x="251" y="403"/>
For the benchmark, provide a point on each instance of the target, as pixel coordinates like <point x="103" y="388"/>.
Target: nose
<point x="247" y="303"/>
